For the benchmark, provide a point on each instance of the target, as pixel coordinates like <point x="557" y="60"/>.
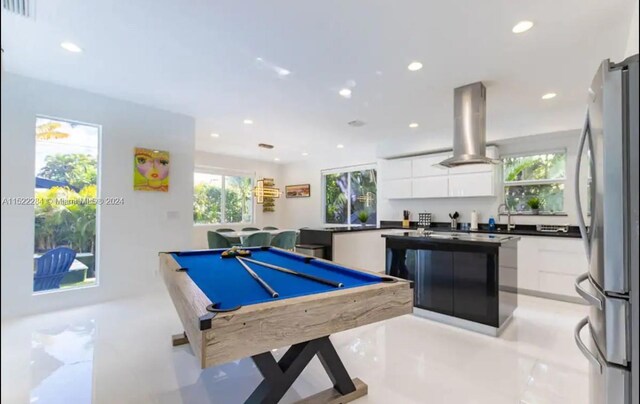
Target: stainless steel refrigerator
<point x="609" y="140"/>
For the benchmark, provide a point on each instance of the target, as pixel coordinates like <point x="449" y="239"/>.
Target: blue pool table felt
<point x="226" y="282"/>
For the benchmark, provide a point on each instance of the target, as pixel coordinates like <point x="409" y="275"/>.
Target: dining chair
<point x="250" y="229"/>
<point x="51" y="267"/>
<point x="217" y="240"/>
<point x="224" y="230"/>
<point x="285" y="240"/>
<point x="259" y="239"/>
<point x="269" y="228"/>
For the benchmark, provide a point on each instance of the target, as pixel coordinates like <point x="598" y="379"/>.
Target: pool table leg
<point x="279" y="376"/>
<point x="179" y="339"/>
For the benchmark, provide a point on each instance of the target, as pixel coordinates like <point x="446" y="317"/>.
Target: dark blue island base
<point x="469" y="282"/>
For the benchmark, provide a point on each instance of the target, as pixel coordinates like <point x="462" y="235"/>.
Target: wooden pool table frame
<point x="218" y="338"/>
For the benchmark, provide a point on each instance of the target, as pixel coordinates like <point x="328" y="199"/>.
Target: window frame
<point x="562" y="180"/>
<point x="344" y="170"/>
<point x="223" y="173"/>
<point x="98" y="219"/>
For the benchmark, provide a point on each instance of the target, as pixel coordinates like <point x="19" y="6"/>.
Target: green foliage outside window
<point x="347" y="194"/>
<point x="538" y="176"/>
<point x="77" y="170"/>
<point x="208" y="195"/>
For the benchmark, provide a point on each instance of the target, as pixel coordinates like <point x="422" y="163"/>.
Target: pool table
<point x="227" y="315"/>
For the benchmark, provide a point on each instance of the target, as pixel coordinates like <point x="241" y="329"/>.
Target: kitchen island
<point x="463" y="279"/>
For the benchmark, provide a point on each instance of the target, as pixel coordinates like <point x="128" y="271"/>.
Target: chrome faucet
<point x="509" y="225"/>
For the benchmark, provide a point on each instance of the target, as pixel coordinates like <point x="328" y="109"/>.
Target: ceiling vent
<point x="356" y="123"/>
<point x="23" y="8"/>
<point x="265" y="146"/>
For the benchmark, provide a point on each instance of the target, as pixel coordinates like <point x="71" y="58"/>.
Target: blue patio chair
<point x="217" y="240"/>
<point x="259" y="239"/>
<point x="285" y="240"/>
<point x="51" y="267"/>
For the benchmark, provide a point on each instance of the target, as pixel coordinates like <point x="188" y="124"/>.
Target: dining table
<point x="242" y="234"/>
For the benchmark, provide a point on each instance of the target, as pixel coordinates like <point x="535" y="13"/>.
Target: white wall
<point x="259" y="169"/>
<point x="130" y="236"/>
<point x="632" y="40"/>
<point x="488" y="206"/>
<point x="307" y="212"/>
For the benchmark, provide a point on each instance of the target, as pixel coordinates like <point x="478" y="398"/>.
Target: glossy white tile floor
<point x="120" y="352"/>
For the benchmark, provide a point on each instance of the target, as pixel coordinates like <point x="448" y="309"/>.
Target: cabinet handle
<point x="583" y="348"/>
<point x="591" y="299"/>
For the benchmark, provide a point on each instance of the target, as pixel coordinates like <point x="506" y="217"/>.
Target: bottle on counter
<point x="492" y="224"/>
<point x="474" y="220"/>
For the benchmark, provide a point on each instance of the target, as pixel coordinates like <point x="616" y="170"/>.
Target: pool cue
<point x="292" y="272"/>
<point x="258" y="279"/>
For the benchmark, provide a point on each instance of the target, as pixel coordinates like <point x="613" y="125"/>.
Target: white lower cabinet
<point x="360" y="249"/>
<point x="550" y="264"/>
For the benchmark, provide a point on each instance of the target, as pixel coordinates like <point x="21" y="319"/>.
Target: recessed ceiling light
<point x="282" y="71"/>
<point x="215" y="135"/>
<point x="71" y="47"/>
<point x="414" y="66"/>
<point x="413" y="125"/>
<point x="549" y="96"/>
<point x="248" y="122"/>
<point x="276" y="159"/>
<point x="521" y="27"/>
<point x="305" y="153"/>
<point x="345" y="92"/>
<point x="340" y="146"/>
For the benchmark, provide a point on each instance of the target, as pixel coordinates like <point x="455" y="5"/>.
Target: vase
<point x="535" y="211"/>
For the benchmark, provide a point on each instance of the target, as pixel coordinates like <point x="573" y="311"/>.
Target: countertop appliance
<point x="609" y="140"/>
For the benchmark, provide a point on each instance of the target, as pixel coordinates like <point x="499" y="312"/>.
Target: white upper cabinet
<point x="492" y="152"/>
<point x="427" y="166"/>
<point x="430" y="187"/>
<point x="472" y="184"/>
<point x="395" y="169"/>
<point x="423" y="177"/>
<point x="396" y="189"/>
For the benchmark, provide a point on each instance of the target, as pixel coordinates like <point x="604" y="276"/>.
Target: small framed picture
<point x="298" y="191"/>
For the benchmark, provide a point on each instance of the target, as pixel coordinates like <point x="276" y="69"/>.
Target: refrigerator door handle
<point x="591" y="299"/>
<point x="581" y="224"/>
<point x="583" y="348"/>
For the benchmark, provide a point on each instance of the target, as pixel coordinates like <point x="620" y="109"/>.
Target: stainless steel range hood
<point x="470" y="124"/>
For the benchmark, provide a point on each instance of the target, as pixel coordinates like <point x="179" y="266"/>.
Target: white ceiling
<point x="201" y="58"/>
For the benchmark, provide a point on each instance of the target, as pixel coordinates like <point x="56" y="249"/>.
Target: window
<point x="66" y="209"/>
<point x="537" y="176"/>
<point x="222" y="198"/>
<point x="350" y="195"/>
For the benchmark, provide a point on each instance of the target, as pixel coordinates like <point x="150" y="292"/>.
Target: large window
<point x="222" y="198"/>
<point x="350" y="195"/>
<point x="66" y="204"/>
<point x="536" y="177"/>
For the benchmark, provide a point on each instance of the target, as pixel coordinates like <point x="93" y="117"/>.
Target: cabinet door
<point x="396" y="189"/>
<point x="492" y="152"/>
<point x="476" y="184"/>
<point x="427" y="166"/>
<point x="395" y="169"/>
<point x="528" y="261"/>
<point x="475" y="291"/>
<point x="433" y="279"/>
<point x="430" y="187"/>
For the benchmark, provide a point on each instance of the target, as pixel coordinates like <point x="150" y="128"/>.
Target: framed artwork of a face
<point x="151" y="170"/>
